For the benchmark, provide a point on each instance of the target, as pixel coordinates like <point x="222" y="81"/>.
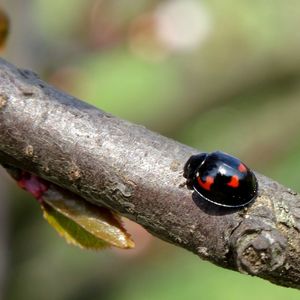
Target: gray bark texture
<point x="139" y="174"/>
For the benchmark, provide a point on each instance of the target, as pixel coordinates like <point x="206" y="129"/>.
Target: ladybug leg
<point x="191" y="167"/>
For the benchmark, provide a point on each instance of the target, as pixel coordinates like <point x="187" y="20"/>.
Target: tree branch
<point x="138" y="173"/>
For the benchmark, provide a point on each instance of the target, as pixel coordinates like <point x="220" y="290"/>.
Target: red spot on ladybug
<point x="242" y="168"/>
<point x="207" y="184"/>
<point x="234" y="182"/>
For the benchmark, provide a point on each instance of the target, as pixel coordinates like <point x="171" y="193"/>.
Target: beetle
<point x="221" y="179"/>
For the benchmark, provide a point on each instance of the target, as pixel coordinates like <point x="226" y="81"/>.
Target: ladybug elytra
<point x="221" y="179"/>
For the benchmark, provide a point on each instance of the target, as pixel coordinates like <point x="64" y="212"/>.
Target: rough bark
<point x="139" y="174"/>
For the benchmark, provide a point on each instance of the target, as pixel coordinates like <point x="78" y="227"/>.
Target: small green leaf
<point x="99" y="222"/>
<point x="80" y="222"/>
<point x="72" y="232"/>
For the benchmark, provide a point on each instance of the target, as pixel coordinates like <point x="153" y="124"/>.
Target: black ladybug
<point x="221" y="179"/>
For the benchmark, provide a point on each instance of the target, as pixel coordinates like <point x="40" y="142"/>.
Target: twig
<point x="138" y="173"/>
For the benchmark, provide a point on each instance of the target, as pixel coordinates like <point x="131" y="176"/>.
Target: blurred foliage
<point x="213" y="74"/>
<point x="4" y="28"/>
<point x="142" y="88"/>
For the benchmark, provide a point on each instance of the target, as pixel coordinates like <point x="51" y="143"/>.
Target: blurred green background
<point x="212" y="74"/>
